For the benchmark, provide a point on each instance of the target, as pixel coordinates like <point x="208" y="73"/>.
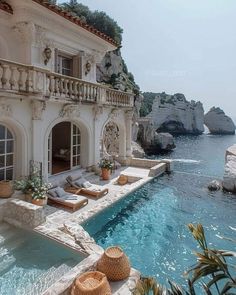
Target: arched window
<point x="6" y="154"/>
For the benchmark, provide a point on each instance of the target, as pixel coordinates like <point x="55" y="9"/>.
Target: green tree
<point x="99" y="19"/>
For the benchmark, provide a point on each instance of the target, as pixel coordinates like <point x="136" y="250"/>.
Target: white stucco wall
<point x="31" y="115"/>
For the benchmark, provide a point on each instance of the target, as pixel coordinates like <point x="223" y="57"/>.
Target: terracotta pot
<point x="39" y="202"/>
<point x="106" y="173"/>
<point x="6" y="189"/>
<point x="28" y="197"/>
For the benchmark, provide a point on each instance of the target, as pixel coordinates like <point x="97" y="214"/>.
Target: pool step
<point x="10" y="246"/>
<point x="4" y="227"/>
<point x="7" y="235"/>
<point x="48" y="278"/>
<point x="6" y="262"/>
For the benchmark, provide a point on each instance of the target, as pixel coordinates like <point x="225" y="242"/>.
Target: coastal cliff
<point x="218" y="122"/>
<point x="176" y="115"/>
<point x="229" y="180"/>
<point x="114" y="72"/>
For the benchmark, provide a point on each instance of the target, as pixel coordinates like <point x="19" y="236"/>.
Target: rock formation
<point x="214" y="185"/>
<point x="137" y="150"/>
<point x="151" y="141"/>
<point x="113" y="71"/>
<point x="176" y="115"/>
<point x="229" y="180"/>
<point x="218" y="123"/>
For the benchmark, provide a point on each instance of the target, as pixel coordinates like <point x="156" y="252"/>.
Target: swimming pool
<point x="30" y="263"/>
<point x="150" y="224"/>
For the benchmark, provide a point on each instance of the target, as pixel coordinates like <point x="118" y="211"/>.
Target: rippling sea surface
<point x="150" y="224"/>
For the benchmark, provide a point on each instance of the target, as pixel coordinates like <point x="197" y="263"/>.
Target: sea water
<point x="151" y="223"/>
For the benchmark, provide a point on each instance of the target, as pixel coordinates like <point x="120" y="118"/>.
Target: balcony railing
<point x="20" y="79"/>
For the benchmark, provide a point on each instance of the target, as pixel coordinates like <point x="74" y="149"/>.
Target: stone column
<point x="98" y="124"/>
<point x="38" y="148"/>
<point x="128" y="123"/>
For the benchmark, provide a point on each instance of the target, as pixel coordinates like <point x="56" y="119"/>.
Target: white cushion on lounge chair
<point x="52" y="192"/>
<point x="95" y="188"/>
<point x="72" y="198"/>
<point x="82" y="182"/>
<point x="60" y="192"/>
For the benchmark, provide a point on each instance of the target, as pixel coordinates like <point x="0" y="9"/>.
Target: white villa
<point x="52" y="110"/>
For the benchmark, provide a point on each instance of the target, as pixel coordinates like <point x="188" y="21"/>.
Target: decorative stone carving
<point x="40" y="38"/>
<point x="25" y="30"/>
<point x="98" y="110"/>
<point x="47" y="54"/>
<point x="129" y="115"/>
<point x="114" y="114"/>
<point x="111" y="138"/>
<point x="37" y="109"/>
<point x="5" y="109"/>
<point x="87" y="67"/>
<point x="70" y="111"/>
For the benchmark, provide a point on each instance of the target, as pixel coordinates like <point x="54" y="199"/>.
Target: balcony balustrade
<point x="23" y="79"/>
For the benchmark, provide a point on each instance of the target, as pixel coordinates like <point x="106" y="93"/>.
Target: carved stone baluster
<point x="75" y="90"/>
<point x="85" y="92"/>
<point x="1" y="74"/>
<point x="70" y="88"/>
<point x="13" y="78"/>
<point x="66" y="87"/>
<point x="5" y="77"/>
<point x="95" y="93"/>
<point x="90" y="88"/>
<point x="61" y="86"/>
<point x="51" y="85"/>
<point x="80" y="91"/>
<point x="21" y="83"/>
<point x="29" y="81"/>
<point x="57" y="84"/>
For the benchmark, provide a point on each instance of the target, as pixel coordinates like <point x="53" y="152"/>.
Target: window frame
<point x="5" y="140"/>
<point x="58" y="63"/>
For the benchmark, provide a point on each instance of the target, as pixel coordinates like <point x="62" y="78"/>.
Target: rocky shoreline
<point x="158" y="117"/>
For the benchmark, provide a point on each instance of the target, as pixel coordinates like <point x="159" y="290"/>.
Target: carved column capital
<point x="129" y="115"/>
<point x="37" y="109"/>
<point x="71" y="111"/>
<point x="97" y="110"/>
<point x="5" y="109"/>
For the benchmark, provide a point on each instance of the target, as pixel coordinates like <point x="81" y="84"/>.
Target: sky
<point x="186" y="46"/>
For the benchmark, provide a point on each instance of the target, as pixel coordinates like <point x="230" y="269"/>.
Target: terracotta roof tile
<point x="76" y="20"/>
<point x="6" y="7"/>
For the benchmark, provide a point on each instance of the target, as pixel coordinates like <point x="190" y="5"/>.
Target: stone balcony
<point x="20" y="79"/>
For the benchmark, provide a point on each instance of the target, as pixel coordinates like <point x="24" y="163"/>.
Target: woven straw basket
<point x="91" y="283"/>
<point x="6" y="189"/>
<point x="114" y="264"/>
<point x="122" y="180"/>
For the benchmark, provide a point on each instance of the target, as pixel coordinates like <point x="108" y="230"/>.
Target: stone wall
<point x="23" y="214"/>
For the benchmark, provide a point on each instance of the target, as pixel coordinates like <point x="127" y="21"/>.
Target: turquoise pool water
<point x="29" y="263"/>
<point x="150" y="224"/>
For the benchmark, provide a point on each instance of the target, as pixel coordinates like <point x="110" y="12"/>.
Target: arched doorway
<point x="7" y="143"/>
<point x="64" y="144"/>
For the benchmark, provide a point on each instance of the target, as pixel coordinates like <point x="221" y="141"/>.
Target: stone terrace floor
<point x="59" y="216"/>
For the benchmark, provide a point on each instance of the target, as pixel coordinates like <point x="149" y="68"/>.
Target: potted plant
<point x="34" y="189"/>
<point x="5" y="189"/>
<point x="106" y="166"/>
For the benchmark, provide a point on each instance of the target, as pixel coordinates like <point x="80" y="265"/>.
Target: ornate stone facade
<point x="70" y="111"/>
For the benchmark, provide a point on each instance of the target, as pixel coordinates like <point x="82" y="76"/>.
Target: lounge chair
<point x="94" y="190"/>
<point x="68" y="200"/>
